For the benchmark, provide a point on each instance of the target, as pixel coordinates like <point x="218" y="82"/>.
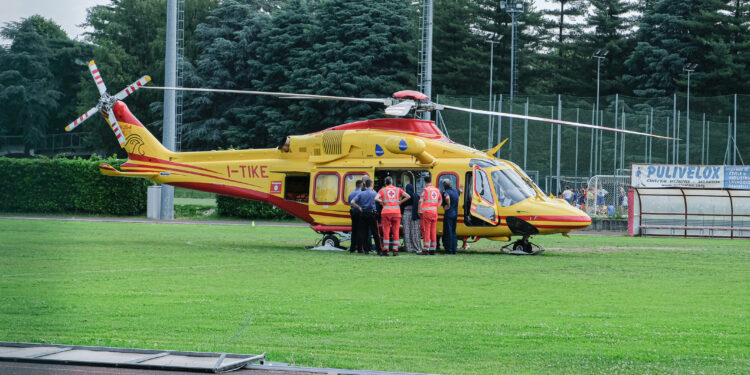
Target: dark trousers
<point x="450" y="241"/>
<point x="368" y="221"/>
<point x="355" y="229"/>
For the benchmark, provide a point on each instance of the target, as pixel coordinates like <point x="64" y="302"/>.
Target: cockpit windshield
<point x="510" y="187"/>
<point x="526" y="178"/>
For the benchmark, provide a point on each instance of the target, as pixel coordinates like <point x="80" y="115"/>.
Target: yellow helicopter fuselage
<point x="312" y="175"/>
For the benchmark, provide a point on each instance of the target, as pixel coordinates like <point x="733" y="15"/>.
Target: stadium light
<point x="598" y="55"/>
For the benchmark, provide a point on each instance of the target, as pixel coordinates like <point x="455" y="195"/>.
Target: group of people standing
<point x="417" y="213"/>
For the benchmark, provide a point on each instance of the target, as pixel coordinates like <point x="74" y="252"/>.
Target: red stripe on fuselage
<point x="332" y="214"/>
<point x="297" y="209"/>
<point x="128" y="165"/>
<point x="162" y="161"/>
<point x="569" y="219"/>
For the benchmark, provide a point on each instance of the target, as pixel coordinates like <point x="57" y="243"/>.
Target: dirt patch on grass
<point x="612" y="249"/>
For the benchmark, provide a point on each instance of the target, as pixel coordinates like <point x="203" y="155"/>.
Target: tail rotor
<point x="106" y="102"/>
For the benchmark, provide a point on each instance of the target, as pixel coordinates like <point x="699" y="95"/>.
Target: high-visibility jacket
<point x="390" y="195"/>
<point x="430" y="199"/>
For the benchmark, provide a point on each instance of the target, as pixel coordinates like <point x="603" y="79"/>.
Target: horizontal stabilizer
<point x="109" y="170"/>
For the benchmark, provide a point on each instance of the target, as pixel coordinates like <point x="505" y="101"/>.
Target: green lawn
<point x="590" y="305"/>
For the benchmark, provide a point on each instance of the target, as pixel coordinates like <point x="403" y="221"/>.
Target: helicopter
<point x="310" y="175"/>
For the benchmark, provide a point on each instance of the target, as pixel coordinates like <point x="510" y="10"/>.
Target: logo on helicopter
<point x="379" y="150"/>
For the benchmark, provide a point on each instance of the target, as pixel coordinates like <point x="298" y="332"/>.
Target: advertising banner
<point x="690" y="176"/>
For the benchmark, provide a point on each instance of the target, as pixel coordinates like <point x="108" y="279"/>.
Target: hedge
<point x="244" y="208"/>
<point x="70" y="186"/>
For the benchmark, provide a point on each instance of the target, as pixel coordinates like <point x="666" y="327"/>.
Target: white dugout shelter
<point x="689" y="201"/>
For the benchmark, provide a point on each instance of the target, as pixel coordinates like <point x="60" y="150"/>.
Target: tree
<point x="672" y="33"/>
<point x="562" y="29"/>
<point x="130" y="38"/>
<point x="460" y="55"/>
<point x="341" y="48"/>
<point x="229" y="40"/>
<point x="37" y="79"/>
<point x="609" y="29"/>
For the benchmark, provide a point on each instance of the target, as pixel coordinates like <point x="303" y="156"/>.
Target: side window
<point x="350" y="183"/>
<point x="482" y="185"/>
<point x="450" y="177"/>
<point x="326" y="188"/>
<point x="407" y="178"/>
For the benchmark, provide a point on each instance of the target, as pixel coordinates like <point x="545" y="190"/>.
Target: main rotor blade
<point x="97" y="77"/>
<point x="116" y="128"/>
<point x="553" y="121"/>
<point x="81" y="119"/>
<point x="131" y="89"/>
<point x="400" y="109"/>
<point x="283" y="95"/>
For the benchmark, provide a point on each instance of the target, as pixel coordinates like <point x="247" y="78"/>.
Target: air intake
<point x="332" y="142"/>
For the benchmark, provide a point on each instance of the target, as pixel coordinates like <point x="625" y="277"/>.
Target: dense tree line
<point x="357" y="48"/>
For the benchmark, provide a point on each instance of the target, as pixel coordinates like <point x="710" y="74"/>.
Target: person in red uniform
<point x="390" y="197"/>
<point x="428" y="204"/>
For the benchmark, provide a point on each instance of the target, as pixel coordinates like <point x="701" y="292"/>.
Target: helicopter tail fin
<point x="139" y="142"/>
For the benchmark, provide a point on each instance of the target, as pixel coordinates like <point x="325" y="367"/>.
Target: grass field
<point x="590" y="304"/>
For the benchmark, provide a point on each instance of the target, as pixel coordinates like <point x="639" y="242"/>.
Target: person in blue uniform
<point x="450" y="242"/>
<point x="365" y="203"/>
<point x="354" y="213"/>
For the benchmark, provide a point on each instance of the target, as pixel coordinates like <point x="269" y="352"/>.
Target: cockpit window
<point x="526" y="178"/>
<point x="510" y="187"/>
<point x="482" y="185"/>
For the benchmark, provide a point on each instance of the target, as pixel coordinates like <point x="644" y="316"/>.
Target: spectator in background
<point x="623" y="199"/>
<point x="568" y="195"/>
<point x="600" y="194"/>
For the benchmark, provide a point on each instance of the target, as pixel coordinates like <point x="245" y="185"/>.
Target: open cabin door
<point x="483" y="196"/>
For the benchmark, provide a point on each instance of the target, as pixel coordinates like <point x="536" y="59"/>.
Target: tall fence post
<point x="734" y="137"/>
<point x="525" y="133"/>
<point x="703" y="140"/>
<point x="674" y="129"/>
<point x="578" y="112"/>
<point x="559" y="138"/>
<point x="591" y="147"/>
<point x="471" y="102"/>
<point x="651" y="131"/>
<point x="614" y="146"/>
<point x="499" y="123"/>
<point x="622" y="149"/>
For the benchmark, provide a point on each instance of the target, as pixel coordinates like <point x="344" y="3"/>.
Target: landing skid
<point x="522" y="247"/>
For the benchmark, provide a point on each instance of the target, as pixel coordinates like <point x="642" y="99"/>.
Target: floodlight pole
<point x="512" y="8"/>
<point x="598" y="55"/>
<point x="170" y="80"/>
<point x="492" y="42"/>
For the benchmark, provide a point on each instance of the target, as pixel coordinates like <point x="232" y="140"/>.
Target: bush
<point x="69" y="185"/>
<point x="244" y="208"/>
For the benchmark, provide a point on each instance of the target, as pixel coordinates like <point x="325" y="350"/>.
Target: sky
<point x="71" y="13"/>
<point x="66" y="13"/>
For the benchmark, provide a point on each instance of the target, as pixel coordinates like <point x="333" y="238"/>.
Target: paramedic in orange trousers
<point x="390" y="197"/>
<point x="428" y="204"/>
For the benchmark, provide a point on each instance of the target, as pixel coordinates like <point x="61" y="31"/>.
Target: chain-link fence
<point x="712" y="135"/>
<point x="607" y="196"/>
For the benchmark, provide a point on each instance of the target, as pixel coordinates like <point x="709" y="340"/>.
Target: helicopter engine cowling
<point x="409" y="146"/>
